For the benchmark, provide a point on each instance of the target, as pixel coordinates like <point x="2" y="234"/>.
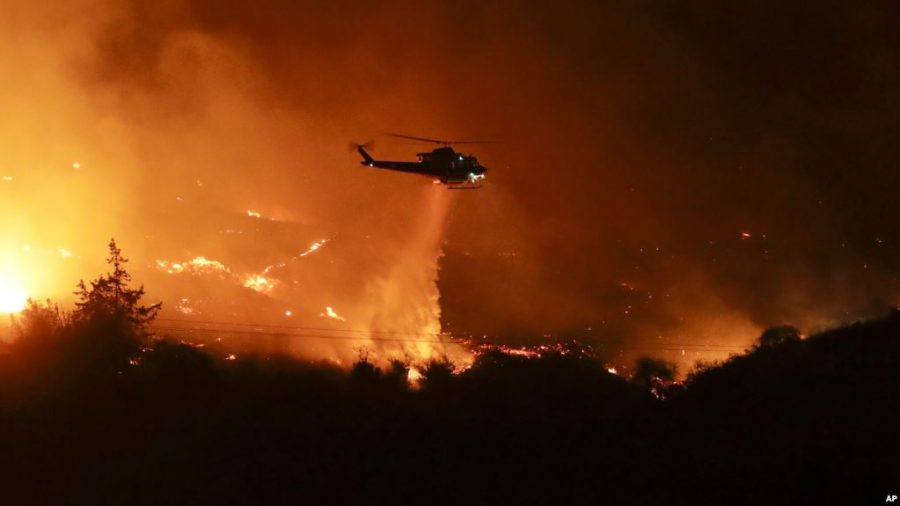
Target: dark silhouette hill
<point x="93" y="409"/>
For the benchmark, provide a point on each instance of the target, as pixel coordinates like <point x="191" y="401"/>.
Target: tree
<point x="363" y="370"/>
<point x="109" y="297"/>
<point x="437" y="373"/>
<point x="397" y="375"/>
<point x="109" y="325"/>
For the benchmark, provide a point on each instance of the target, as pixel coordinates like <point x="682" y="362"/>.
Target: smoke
<point x="675" y="173"/>
<point x="59" y="156"/>
<point x="234" y="205"/>
<point x="406" y="297"/>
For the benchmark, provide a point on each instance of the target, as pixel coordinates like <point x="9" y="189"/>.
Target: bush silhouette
<point x="653" y="374"/>
<point x="437" y="373"/>
<point x="37" y="327"/>
<point x="777" y="336"/>
<point x="105" y="332"/>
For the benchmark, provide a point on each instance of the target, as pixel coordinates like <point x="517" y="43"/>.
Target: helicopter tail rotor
<point x="354" y="146"/>
<point x="361" y="149"/>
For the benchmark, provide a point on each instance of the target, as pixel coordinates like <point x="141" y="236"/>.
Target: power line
<point x="295" y="335"/>
<point x="320" y="329"/>
<point x="292" y="335"/>
<point x="373" y="335"/>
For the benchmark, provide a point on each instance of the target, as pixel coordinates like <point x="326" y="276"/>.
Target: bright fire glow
<point x="259" y="283"/>
<point x="330" y="313"/>
<point x="13" y="287"/>
<point x="202" y="264"/>
<point x="253" y="214"/>
<point x="414" y="377"/>
<point x="171" y="268"/>
<point x="199" y="265"/>
<point x="31" y="270"/>
<point x="314" y="247"/>
<point x="12" y="295"/>
<point x="12" y="300"/>
<point x="184" y="306"/>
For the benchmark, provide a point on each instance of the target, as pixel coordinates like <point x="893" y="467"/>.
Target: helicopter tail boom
<point x="367" y="159"/>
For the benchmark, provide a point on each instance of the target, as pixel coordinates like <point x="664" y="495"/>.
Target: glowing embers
<point x="315" y="246"/>
<point x="259" y="283"/>
<point x="312" y="248"/>
<point x="184" y="306"/>
<point x="203" y="266"/>
<point x="199" y="265"/>
<point x="529" y="351"/>
<point x="170" y="267"/>
<point x="254" y="214"/>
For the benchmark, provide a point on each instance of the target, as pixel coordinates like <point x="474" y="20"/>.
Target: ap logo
<point x="891" y="498"/>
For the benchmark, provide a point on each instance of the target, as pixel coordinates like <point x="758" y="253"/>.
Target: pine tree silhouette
<point x="110" y="297"/>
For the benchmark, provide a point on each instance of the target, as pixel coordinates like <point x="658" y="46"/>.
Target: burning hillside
<point x="210" y="140"/>
<point x="355" y="289"/>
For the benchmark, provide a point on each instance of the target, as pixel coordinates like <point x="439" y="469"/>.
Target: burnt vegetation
<point x="95" y="409"/>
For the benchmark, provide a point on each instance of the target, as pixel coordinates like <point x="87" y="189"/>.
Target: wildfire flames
<point x="230" y="213"/>
<point x="12" y="299"/>
<point x="13" y="279"/>
<point x="259" y="283"/>
<point x="327" y="297"/>
<point x="330" y="313"/>
<point x="199" y="265"/>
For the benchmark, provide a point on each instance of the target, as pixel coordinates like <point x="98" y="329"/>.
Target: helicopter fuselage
<point x="443" y="163"/>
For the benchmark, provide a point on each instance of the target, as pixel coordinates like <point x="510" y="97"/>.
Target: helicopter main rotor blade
<point x="436" y="141"/>
<point x="420" y="139"/>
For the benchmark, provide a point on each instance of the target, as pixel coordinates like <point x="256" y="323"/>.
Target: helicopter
<point x="457" y="171"/>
